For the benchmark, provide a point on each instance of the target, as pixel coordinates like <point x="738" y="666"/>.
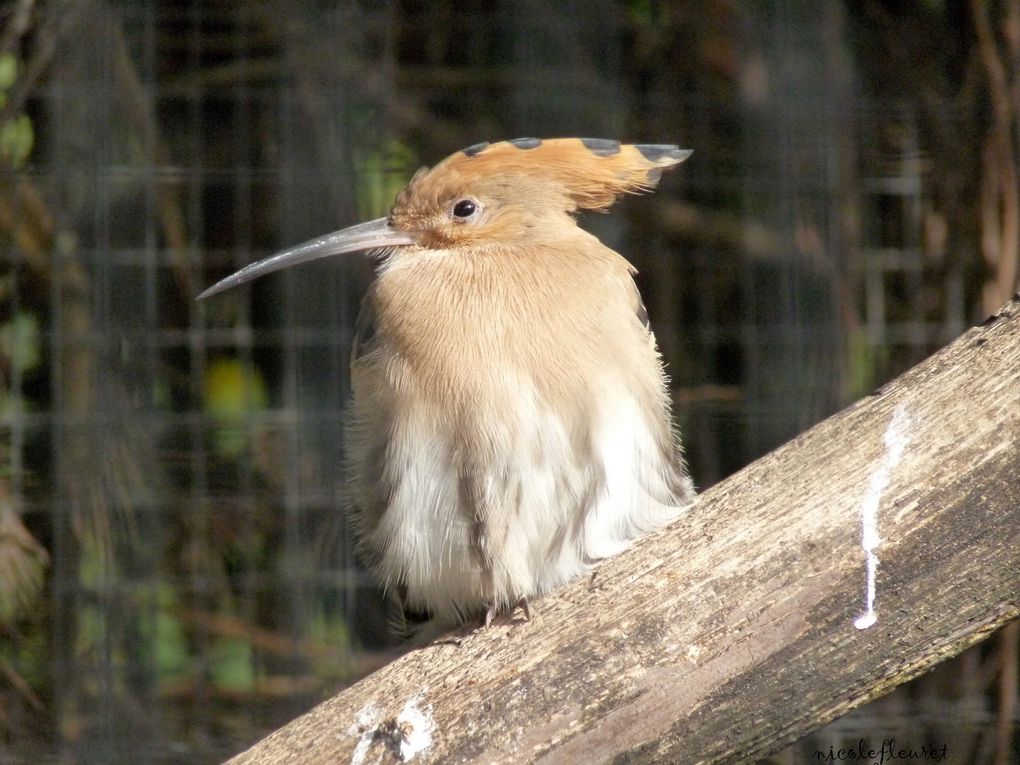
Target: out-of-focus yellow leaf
<point x="233" y="390"/>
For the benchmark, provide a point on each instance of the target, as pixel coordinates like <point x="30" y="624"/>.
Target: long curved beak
<point x="373" y="235"/>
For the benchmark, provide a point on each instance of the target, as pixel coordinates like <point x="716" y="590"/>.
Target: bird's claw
<point x="493" y="611"/>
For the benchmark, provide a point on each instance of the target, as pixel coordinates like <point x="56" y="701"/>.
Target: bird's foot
<point x="525" y="607"/>
<point x="493" y="612"/>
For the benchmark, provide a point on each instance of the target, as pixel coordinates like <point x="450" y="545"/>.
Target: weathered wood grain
<point x="732" y="633"/>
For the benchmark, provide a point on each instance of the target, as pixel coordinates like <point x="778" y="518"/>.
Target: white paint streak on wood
<point x="896" y="440"/>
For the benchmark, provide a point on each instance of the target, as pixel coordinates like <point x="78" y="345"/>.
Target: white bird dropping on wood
<point x="364" y="729"/>
<point x="896" y="440"/>
<point x="407" y="735"/>
<point x="417" y="725"/>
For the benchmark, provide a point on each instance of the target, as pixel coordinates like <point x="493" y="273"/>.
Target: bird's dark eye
<point x="465" y="208"/>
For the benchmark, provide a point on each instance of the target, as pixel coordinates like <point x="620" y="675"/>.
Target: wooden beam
<point x="739" y="629"/>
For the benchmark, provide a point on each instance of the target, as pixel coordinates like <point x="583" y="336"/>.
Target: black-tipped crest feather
<point x="592" y="172"/>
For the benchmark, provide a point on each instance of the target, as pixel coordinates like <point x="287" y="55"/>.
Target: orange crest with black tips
<point x="520" y="191"/>
<point x="590" y="172"/>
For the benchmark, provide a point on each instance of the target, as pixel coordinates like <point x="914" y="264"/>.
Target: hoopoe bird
<point x="511" y="421"/>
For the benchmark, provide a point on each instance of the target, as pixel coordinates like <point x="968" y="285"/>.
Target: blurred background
<point x="176" y="577"/>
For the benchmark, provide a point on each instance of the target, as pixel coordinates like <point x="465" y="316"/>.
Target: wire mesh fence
<point x="180" y="576"/>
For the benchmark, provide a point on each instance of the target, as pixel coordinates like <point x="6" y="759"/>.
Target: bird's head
<point x="503" y="194"/>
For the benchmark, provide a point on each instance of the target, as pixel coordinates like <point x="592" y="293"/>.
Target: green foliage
<point x="21" y="342"/>
<point x="17" y="139"/>
<point x="170" y="640"/>
<point x="866" y="363"/>
<point x="16" y="136"/>
<point x="8" y="71"/>
<point x="382" y="173"/>
<point x="231" y="666"/>
<point x="645" y="12"/>
<point x="328" y="627"/>
<point x="23" y="564"/>
<point x="20" y="349"/>
<point x="29" y="653"/>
